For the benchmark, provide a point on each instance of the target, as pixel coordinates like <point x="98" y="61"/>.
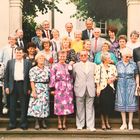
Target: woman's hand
<point x="33" y="94"/>
<point x="98" y="91"/>
<point x="52" y="92"/>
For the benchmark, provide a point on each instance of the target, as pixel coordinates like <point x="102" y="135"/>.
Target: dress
<point x="107" y="94"/>
<point x="39" y="107"/>
<point x="125" y="95"/>
<point x="62" y="81"/>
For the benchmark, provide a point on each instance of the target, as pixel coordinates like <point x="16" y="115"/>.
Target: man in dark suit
<point x="20" y="39"/>
<point x="88" y="32"/>
<point x="136" y="54"/>
<point x="17" y="85"/>
<point x="46" y="30"/>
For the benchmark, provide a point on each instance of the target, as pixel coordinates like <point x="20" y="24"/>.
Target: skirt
<point x="107" y="100"/>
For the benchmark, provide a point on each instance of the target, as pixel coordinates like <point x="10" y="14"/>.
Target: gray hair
<point x="104" y="56"/>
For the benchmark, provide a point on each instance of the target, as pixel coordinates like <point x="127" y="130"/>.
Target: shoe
<point x="64" y="127"/>
<point x="44" y="124"/>
<point x="60" y="127"/>
<point x="108" y="127"/>
<point x="130" y="127"/>
<point x="37" y="126"/>
<point x="10" y="127"/>
<point x="123" y="127"/>
<point x="79" y="128"/>
<point x="103" y="127"/>
<point x="24" y="128"/>
<point x="91" y="129"/>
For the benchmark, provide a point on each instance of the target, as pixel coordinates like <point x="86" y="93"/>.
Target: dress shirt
<point x="19" y="73"/>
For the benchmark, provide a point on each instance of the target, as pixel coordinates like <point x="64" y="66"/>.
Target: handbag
<point x="97" y="98"/>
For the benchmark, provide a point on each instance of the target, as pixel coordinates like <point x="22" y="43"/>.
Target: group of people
<point x="75" y="70"/>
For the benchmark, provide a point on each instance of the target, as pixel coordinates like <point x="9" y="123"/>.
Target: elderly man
<point x="46" y="30"/>
<point x="84" y="88"/>
<point x="17" y="84"/>
<point x="88" y="32"/>
<point x="20" y="40"/>
<point x="97" y="41"/>
<point x="68" y="30"/>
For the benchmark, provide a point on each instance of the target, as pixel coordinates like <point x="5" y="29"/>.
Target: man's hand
<point x="7" y="91"/>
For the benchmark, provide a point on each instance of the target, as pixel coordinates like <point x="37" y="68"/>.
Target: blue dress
<point x="126" y="100"/>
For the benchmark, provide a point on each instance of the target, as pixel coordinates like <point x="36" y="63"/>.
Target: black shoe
<point x="10" y="127"/>
<point x="109" y="128"/>
<point x="24" y="128"/>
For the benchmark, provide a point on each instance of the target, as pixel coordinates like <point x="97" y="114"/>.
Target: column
<point x="133" y="16"/>
<point x="15" y="15"/>
<point x="4" y="23"/>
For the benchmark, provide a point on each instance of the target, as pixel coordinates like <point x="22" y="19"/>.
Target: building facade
<point x="11" y="17"/>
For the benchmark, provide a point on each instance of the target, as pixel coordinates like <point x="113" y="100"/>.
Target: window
<point x="102" y="24"/>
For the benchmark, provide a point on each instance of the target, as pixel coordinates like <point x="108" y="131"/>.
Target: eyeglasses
<point x="83" y="55"/>
<point x="128" y="56"/>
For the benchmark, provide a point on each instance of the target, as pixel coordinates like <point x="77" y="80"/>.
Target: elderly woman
<point x="105" y="77"/>
<point x="39" y="99"/>
<point x="134" y="40"/>
<point x="66" y="46"/>
<point x="77" y="43"/>
<point x="122" y="44"/>
<point x="56" y="43"/>
<point x="105" y="48"/>
<point x="51" y="56"/>
<point x="128" y="79"/>
<point x="61" y="83"/>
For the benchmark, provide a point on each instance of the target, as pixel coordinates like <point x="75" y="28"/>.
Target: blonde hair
<point x="39" y="54"/>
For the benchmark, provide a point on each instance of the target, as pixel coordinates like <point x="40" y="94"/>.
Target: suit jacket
<point x="6" y="54"/>
<point x="100" y="42"/>
<point x="9" y="75"/>
<point x="85" y="35"/>
<point x="84" y="80"/>
<point x="50" y="34"/>
<point x="23" y="45"/>
<point x="136" y="54"/>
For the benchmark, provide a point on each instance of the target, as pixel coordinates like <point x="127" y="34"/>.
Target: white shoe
<point x="91" y="129"/>
<point x="79" y="128"/>
<point x="130" y="127"/>
<point x="123" y="127"/>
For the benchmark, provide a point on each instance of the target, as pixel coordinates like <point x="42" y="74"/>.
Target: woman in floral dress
<point x="61" y="81"/>
<point x="39" y="99"/>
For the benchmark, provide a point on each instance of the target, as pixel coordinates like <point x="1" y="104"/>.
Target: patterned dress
<point x="62" y="81"/>
<point x="125" y="97"/>
<point x="39" y="107"/>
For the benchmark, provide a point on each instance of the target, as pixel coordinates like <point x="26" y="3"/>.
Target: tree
<point x="30" y="9"/>
<point x="100" y="9"/>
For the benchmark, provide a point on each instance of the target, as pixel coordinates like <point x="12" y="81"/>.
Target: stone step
<point x="71" y="122"/>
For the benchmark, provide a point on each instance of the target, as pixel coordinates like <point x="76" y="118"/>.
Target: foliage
<point x="100" y="9"/>
<point x="30" y="9"/>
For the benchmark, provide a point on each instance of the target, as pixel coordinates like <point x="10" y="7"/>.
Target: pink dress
<point x="62" y="81"/>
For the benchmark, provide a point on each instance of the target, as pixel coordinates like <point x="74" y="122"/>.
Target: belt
<point x="42" y="82"/>
<point x="19" y="81"/>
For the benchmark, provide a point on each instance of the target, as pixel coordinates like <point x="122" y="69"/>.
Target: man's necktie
<point x="21" y="44"/>
<point x="95" y="45"/>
